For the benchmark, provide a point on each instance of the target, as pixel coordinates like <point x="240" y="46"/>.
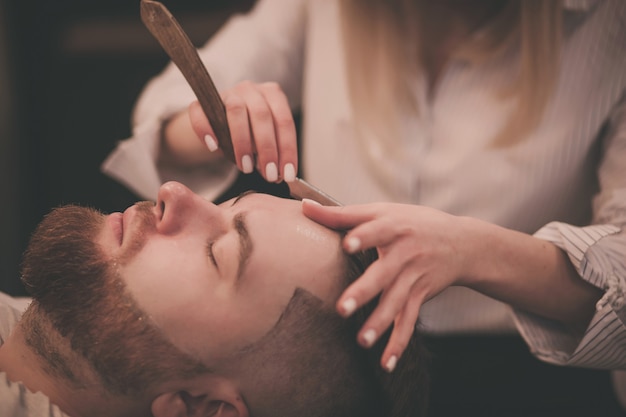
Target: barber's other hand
<point x="261" y="127"/>
<point x="420" y="253"/>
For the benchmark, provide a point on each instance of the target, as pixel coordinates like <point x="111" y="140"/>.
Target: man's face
<point x="217" y="278"/>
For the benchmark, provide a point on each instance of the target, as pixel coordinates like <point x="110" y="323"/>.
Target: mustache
<point x="143" y="226"/>
<point x="144" y="210"/>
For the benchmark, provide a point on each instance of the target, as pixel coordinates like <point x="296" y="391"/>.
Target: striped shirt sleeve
<point x="598" y="252"/>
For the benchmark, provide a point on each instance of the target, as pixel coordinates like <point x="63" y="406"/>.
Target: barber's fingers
<point x="383" y="233"/>
<point x="262" y="129"/>
<point x="372" y="225"/>
<point x="340" y="217"/>
<point x="285" y="129"/>
<point x="402" y="332"/>
<point x="377" y="277"/>
<point x="390" y="304"/>
<point x="252" y="130"/>
<point x="201" y="126"/>
<point x="237" y="118"/>
<point x="272" y="133"/>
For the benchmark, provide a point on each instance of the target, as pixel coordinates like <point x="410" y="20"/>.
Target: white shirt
<point x="545" y="185"/>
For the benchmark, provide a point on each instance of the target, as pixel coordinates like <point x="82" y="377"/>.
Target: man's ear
<point x="215" y="398"/>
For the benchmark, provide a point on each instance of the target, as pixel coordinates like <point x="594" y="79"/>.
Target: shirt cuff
<point x="601" y="345"/>
<point x="134" y="163"/>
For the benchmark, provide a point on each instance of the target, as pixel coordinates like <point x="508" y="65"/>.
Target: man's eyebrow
<point x="245" y="243"/>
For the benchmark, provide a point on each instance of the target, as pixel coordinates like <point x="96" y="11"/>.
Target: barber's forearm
<point x="528" y="273"/>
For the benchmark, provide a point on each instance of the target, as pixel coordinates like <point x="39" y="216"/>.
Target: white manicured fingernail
<point x="348" y="306"/>
<point x="271" y="172"/>
<point x="308" y="200"/>
<point x="210" y="142"/>
<point x="391" y="364"/>
<point x="353" y="244"/>
<point x="369" y="337"/>
<point x="246" y="164"/>
<point x="289" y="172"/>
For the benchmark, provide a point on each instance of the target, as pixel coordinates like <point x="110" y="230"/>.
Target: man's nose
<point x="178" y="208"/>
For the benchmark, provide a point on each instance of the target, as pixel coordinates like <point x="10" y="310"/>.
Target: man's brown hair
<point x="309" y="365"/>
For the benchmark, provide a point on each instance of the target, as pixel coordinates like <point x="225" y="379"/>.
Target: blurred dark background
<point x="70" y="72"/>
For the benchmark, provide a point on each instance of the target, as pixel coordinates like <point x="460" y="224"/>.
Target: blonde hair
<point x="383" y="53"/>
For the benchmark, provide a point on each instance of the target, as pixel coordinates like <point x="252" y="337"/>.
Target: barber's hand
<point x="420" y="253"/>
<point x="261" y="127"/>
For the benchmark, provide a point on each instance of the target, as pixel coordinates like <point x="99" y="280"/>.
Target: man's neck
<point x="24" y="366"/>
